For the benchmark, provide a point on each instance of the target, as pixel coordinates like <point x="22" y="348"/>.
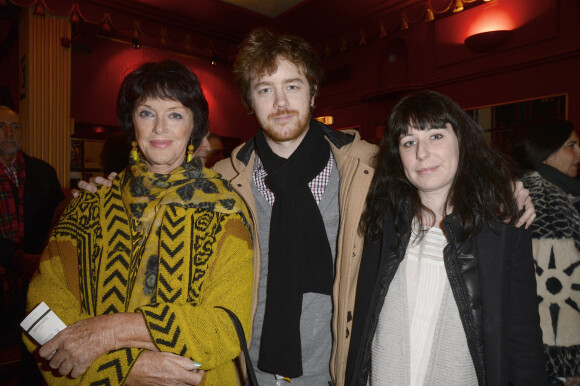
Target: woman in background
<point x="136" y="270"/>
<point x="446" y="291"/>
<point x="548" y="156"/>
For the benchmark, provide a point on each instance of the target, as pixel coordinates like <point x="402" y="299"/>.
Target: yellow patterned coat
<point x="204" y="259"/>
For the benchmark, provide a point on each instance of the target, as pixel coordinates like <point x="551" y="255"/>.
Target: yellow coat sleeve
<point x="57" y="284"/>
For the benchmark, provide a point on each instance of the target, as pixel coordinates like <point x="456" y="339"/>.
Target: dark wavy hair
<point x="481" y="190"/>
<point x="169" y="80"/>
<point x="538" y="140"/>
<point x="259" y="53"/>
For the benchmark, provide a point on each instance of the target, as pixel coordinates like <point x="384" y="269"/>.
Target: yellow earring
<point x="134" y="151"/>
<point x="190" y="150"/>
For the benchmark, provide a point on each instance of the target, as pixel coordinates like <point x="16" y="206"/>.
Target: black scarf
<point x="563" y="181"/>
<point x="300" y="259"/>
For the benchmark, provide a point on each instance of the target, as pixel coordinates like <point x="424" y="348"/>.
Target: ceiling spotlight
<point x="106" y="25"/>
<point x="383" y="30"/>
<point x="136" y="44"/>
<point x="404" y="24"/>
<point x="214" y="59"/>
<point x="429" y="14"/>
<point x="458" y="6"/>
<point x="39" y="9"/>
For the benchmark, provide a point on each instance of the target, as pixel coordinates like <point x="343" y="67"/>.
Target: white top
<point x="426" y="278"/>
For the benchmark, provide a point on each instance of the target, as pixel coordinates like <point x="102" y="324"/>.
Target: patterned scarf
<point x="144" y="190"/>
<point x="124" y="259"/>
<point x="12" y="199"/>
<point x="144" y="195"/>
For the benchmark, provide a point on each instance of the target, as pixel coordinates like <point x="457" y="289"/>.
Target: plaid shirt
<point x="12" y="199"/>
<point x="11" y="171"/>
<point x="317" y="185"/>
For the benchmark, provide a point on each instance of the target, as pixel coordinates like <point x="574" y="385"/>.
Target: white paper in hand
<point x="42" y="324"/>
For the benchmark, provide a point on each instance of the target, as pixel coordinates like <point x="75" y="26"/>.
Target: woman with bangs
<point x="446" y="290"/>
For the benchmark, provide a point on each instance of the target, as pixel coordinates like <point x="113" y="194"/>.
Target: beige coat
<point x="352" y="157"/>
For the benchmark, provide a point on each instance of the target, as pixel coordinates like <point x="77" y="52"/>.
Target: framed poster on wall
<point x="92" y="154"/>
<point x="76" y="156"/>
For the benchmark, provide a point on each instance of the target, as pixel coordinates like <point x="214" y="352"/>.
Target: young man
<point x="305" y="185"/>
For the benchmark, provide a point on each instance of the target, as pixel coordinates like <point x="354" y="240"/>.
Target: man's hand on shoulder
<point x="91" y="186"/>
<point x="525" y="205"/>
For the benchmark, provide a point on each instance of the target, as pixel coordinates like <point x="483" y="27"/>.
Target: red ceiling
<point x="319" y="21"/>
<point x="312" y="19"/>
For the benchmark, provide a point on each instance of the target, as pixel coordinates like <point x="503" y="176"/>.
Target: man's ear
<point x="313" y="97"/>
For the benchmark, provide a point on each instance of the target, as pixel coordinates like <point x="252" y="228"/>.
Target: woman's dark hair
<point x="481" y="190"/>
<point x="169" y="80"/>
<point x="538" y="140"/>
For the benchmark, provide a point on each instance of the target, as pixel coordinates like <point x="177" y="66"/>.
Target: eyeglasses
<point x="12" y="125"/>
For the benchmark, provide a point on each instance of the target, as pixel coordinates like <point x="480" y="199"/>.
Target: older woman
<point x="137" y="270"/>
<point x="548" y="154"/>
<point x="446" y="291"/>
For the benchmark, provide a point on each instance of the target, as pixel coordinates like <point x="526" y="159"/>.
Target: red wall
<point x="541" y="58"/>
<point x="96" y="78"/>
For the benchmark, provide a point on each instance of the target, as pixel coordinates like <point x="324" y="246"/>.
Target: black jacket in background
<point x="42" y="194"/>
<point x="493" y="282"/>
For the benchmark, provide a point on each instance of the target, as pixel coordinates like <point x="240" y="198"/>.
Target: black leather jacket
<point x="492" y="279"/>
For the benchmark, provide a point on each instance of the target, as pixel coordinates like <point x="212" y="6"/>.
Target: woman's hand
<point x="76" y="347"/>
<point x="162" y="368"/>
<point x="91" y="186"/>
